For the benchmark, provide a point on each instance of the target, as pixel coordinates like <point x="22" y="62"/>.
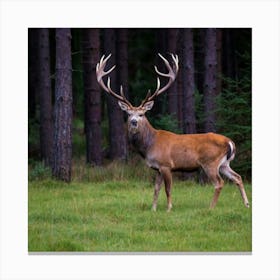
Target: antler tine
<point x="119" y="97"/>
<point x="123" y="96"/>
<point x="166" y="64"/>
<point x="121" y="90"/>
<point x="100" y="73"/>
<point x="176" y="61"/>
<point x="146" y="98"/>
<point x="172" y="73"/>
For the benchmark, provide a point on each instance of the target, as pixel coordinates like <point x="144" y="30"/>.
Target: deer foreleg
<point x="158" y="183"/>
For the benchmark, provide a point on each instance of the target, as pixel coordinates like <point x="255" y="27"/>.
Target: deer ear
<point x="148" y="105"/>
<point x="123" y="106"/>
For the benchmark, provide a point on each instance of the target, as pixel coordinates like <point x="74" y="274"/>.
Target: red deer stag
<point x="165" y="151"/>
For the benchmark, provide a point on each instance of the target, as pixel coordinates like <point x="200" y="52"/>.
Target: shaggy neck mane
<point x="143" y="139"/>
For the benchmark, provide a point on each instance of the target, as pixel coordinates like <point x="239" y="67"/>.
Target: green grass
<point x="113" y="214"/>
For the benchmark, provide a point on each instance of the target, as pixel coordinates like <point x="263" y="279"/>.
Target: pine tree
<point x="117" y="136"/>
<point x="91" y="56"/>
<point x="189" y="121"/>
<point x="45" y="94"/>
<point x="210" y="80"/>
<point x="63" y="106"/>
<point x="172" y="37"/>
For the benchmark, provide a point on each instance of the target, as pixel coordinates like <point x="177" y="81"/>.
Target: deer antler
<point x="172" y="73"/>
<point x="100" y="73"/>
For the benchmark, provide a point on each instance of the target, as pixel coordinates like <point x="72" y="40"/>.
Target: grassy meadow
<point x="108" y="209"/>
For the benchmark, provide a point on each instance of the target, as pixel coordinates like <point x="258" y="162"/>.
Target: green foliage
<point x="135" y="168"/>
<point x="38" y="171"/>
<point x="116" y="216"/>
<point x="141" y="72"/>
<point x="105" y="132"/>
<point x="112" y="170"/>
<point x="142" y="56"/>
<point x="165" y="122"/>
<point x="139" y="87"/>
<point x="199" y="111"/>
<point x="78" y="138"/>
<point x="234" y="115"/>
<point x="33" y="137"/>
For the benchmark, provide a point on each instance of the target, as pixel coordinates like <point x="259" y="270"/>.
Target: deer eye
<point x="141" y="115"/>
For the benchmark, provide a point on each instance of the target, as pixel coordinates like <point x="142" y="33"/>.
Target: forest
<point x="72" y="121"/>
<point x="88" y="190"/>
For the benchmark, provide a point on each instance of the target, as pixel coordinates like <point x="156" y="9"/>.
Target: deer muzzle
<point x="133" y="123"/>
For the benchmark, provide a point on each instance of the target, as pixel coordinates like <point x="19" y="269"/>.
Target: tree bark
<point x="63" y="106"/>
<point x="161" y="47"/>
<point x="210" y="79"/>
<point x="189" y="120"/>
<point x="219" y="60"/>
<point x="229" y="58"/>
<point x="117" y="137"/>
<point x="180" y="82"/>
<point x="172" y="35"/>
<point x="32" y="70"/>
<point x="77" y="73"/>
<point x="45" y="94"/>
<point x="91" y="56"/>
<point x="199" y="39"/>
<point x="122" y="59"/>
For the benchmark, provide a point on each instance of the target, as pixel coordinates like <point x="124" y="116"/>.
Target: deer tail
<point x="231" y="151"/>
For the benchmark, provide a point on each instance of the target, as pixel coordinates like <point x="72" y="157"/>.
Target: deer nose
<point x="133" y="122"/>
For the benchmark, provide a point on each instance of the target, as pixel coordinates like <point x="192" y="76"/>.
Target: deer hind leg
<point x="214" y="176"/>
<point x="167" y="177"/>
<point x="159" y="180"/>
<point x="236" y="178"/>
<point x="218" y="183"/>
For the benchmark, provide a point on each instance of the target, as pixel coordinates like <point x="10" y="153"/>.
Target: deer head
<point x="136" y="115"/>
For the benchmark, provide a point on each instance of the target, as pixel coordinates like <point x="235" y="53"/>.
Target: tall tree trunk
<point x="91" y="56"/>
<point x="219" y="60"/>
<point x="117" y="137"/>
<point x="45" y="94"/>
<point x="32" y="70"/>
<point x="122" y="59"/>
<point x="199" y="39"/>
<point x="172" y="37"/>
<point x="210" y="79"/>
<point x="161" y="47"/>
<point x="77" y="74"/>
<point x="180" y="82"/>
<point x="122" y="73"/>
<point x="189" y="120"/>
<point x="229" y="58"/>
<point x="63" y="106"/>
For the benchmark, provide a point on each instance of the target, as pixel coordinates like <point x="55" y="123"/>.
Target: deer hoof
<point x="169" y="208"/>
